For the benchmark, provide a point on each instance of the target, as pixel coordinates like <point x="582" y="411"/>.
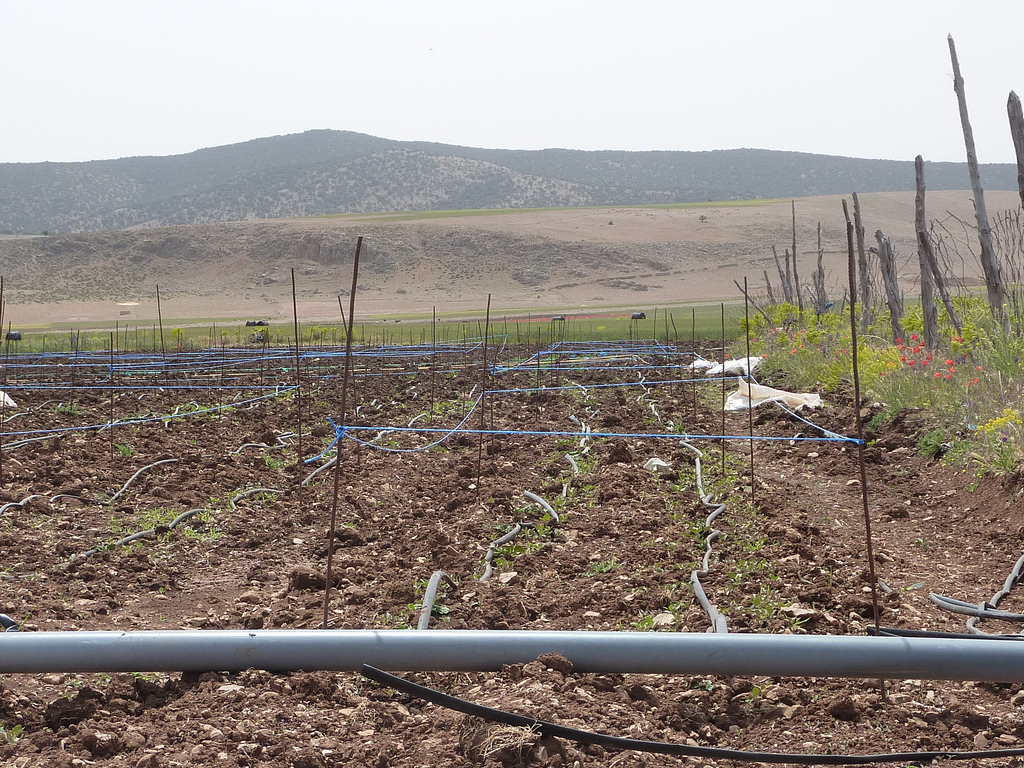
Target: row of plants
<point x="972" y="387"/>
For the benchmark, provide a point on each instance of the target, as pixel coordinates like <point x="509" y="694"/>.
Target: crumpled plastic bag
<point x="741" y="366"/>
<point x="752" y="395"/>
<point x="699" y="364"/>
<point x="657" y="466"/>
<point x="7" y="400"/>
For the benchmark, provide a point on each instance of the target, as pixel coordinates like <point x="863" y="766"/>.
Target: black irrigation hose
<point x="26" y="441"/>
<point x="243" y="446"/>
<point x="893" y="632"/>
<point x="431" y="594"/>
<point x="21" y="503"/>
<point x="318" y="470"/>
<point x="27" y="499"/>
<point x="659" y="747"/>
<point x="488" y="570"/>
<point x="986" y="610"/>
<point x="83" y="499"/>
<point x="718" y="622"/>
<point x="279" y="444"/>
<point x="142" y="534"/>
<point x="572" y="462"/>
<point x="547" y="507"/>
<point x="981" y="611"/>
<point x="124" y="488"/>
<point x="250" y="492"/>
<point x="8" y="624"/>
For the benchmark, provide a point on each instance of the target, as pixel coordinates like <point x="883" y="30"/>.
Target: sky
<point x="871" y="79"/>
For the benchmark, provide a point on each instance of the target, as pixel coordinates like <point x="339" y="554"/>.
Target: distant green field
<point x="672" y="325"/>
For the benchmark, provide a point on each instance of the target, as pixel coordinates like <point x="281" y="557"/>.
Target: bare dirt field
<point x="620" y="557"/>
<point x="560" y="260"/>
<point x="197" y="512"/>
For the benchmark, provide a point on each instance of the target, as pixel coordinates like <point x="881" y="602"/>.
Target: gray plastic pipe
<point x="488" y="650"/>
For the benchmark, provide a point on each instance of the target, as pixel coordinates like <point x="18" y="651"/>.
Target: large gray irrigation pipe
<point x="893" y="658"/>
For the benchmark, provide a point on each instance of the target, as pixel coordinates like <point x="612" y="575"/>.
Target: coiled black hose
<point x="986" y="610"/>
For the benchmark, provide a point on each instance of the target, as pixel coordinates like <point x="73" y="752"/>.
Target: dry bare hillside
<point x="564" y="259"/>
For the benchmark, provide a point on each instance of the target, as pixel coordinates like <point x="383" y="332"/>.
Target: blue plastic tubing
<point x="844" y="656"/>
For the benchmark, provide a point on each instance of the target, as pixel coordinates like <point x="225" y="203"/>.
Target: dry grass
<point x="559" y="260"/>
<point x="481" y="740"/>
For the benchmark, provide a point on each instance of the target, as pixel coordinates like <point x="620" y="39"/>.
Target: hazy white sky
<point x="116" y="78"/>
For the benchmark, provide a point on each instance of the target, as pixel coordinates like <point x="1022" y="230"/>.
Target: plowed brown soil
<point x="620" y="559"/>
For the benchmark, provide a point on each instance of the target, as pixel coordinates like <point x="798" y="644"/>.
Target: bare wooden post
<point x="790" y="281"/>
<point x="786" y="293"/>
<point x="887" y="262"/>
<point x="927" y="252"/>
<point x="864" y="272"/>
<point x="796" y="276"/>
<point x="1016" y="115"/>
<point x="820" y="296"/>
<point x="989" y="261"/>
<point x="768" y="285"/>
<point x="928" y="310"/>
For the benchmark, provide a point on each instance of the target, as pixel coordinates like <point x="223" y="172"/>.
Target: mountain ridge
<point x="323" y="172"/>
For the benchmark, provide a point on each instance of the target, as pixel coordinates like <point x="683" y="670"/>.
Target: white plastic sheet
<point x="752" y="395"/>
<point x="741" y="366"/>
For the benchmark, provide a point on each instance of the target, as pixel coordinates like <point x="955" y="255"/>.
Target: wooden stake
<point x="160" y="319"/>
<point x="484" y="386"/>
<point x="796" y="277"/>
<point x="860" y="430"/>
<point x="433" y="360"/>
<point x="723" y="390"/>
<point x="298" y="372"/>
<point x="344" y="421"/>
<point x="111" y="380"/>
<point x="693" y="350"/>
<point x="750" y="379"/>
